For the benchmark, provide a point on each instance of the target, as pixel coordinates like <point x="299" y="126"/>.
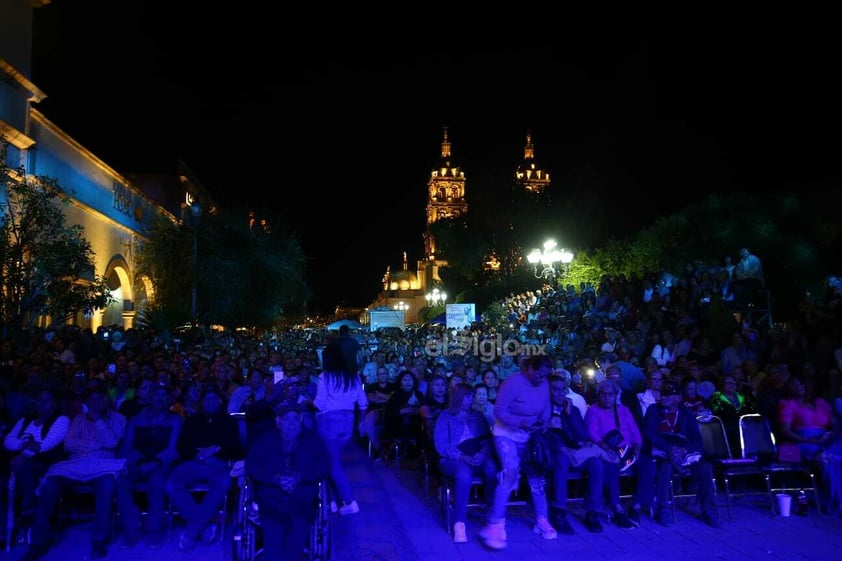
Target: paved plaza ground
<point x="398" y="523"/>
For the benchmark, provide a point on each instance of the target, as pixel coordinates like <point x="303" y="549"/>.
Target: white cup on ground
<point x="784" y="503"/>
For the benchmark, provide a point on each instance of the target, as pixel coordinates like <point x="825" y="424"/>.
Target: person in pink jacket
<point x="602" y="417"/>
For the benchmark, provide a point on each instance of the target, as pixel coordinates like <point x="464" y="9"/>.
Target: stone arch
<point x="118" y="277"/>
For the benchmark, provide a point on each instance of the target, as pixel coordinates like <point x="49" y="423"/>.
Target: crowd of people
<point x="619" y="371"/>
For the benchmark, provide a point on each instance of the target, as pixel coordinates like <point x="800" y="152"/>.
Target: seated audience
<point x="402" y="419"/>
<point x="285" y="466"/>
<point x="567" y="419"/>
<point x="462" y="440"/>
<point x="481" y="403"/>
<point x="208" y="441"/>
<point x="149" y="449"/>
<point x="729" y="405"/>
<point x="602" y="417"/>
<point x="378" y="394"/>
<point x="93" y="435"/>
<point x="35" y="442"/>
<point x="675" y="442"/>
<point x="434" y="402"/>
<point x="808" y="421"/>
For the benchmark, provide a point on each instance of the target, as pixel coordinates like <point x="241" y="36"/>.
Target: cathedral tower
<point x="445" y="196"/>
<point x="528" y="174"/>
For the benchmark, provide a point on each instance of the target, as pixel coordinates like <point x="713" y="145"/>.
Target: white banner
<point x="460" y="315"/>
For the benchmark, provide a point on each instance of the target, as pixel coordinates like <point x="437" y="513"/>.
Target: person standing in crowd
<point x="285" y="466"/>
<point x="350" y="348"/>
<point x="462" y="440"/>
<point x="339" y="397"/>
<point x="748" y="278"/>
<point x="522" y="406"/>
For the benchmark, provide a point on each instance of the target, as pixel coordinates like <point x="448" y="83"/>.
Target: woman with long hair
<point x="463" y="442"/>
<point x="402" y="418"/>
<point x="339" y="393"/>
<point x="434" y="402"/>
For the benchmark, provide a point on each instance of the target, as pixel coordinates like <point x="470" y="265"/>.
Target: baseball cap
<point x="670" y="388"/>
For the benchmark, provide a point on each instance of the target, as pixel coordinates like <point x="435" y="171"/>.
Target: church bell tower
<point x="445" y="195"/>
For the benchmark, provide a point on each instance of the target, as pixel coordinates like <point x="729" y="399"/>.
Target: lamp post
<point x="196" y="213"/>
<point x="435" y="298"/>
<point x="547" y="258"/>
<point x="402" y="307"/>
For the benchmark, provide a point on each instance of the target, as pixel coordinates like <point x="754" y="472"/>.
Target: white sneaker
<point x="459" y="534"/>
<point x="349" y="508"/>
<point x="544" y="529"/>
<point x="495" y="535"/>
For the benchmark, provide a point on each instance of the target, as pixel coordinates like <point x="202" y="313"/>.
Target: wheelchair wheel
<point x="320" y="546"/>
<point x="245" y="534"/>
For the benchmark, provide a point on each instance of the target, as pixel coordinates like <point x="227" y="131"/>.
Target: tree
<point x="46" y="266"/>
<point x="250" y="271"/>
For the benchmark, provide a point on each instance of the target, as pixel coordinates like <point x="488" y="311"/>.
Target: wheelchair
<point x="247" y="534"/>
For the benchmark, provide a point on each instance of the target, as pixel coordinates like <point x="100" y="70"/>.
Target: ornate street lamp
<point x="547" y="258"/>
<point x="436" y="298"/>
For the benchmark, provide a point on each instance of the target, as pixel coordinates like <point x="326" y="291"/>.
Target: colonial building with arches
<point x="113" y="208"/>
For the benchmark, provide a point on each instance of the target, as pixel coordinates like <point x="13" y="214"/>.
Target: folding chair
<point x="757" y="440"/>
<point x="717" y="450"/>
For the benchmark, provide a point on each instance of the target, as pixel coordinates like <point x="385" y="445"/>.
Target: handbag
<point x="789" y="452"/>
<point x="578" y="456"/>
<point x="542" y="447"/>
<point x="473" y="446"/>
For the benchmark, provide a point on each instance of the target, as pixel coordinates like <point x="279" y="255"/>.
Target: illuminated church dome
<point x="403" y="280"/>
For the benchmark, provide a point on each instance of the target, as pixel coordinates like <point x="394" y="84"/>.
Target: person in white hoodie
<point x="339" y="394"/>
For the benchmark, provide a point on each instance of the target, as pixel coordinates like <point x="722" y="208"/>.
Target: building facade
<point x="113" y="208"/>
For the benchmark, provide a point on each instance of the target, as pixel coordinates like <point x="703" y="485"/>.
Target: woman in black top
<point x="402" y="419"/>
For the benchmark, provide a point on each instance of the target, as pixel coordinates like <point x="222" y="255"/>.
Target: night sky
<point x="354" y="102"/>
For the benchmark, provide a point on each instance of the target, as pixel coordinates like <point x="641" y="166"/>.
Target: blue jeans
<point x="286" y="538"/>
<point x="594" y="469"/>
<point x="612" y="484"/>
<point x="337" y="429"/>
<point x="198" y="513"/>
<point x="54" y="487"/>
<point x="462" y="475"/>
<point x="511" y="454"/>
<point x="701" y="472"/>
<point x="645" y="472"/>
<point x="152" y="483"/>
